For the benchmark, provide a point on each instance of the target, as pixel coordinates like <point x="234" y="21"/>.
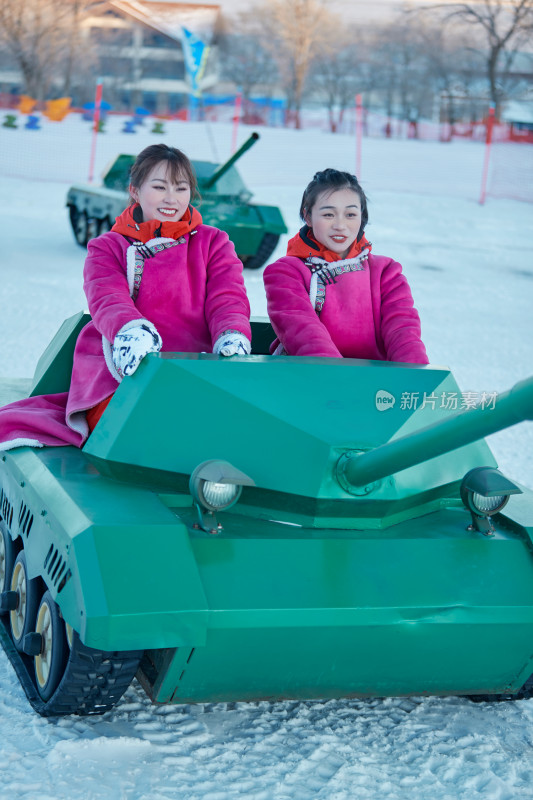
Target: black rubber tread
<point x="93" y="682"/>
<point x="268" y="244"/>
<point x="75" y="214"/>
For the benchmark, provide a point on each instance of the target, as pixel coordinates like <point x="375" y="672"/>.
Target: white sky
<point x="351" y="9"/>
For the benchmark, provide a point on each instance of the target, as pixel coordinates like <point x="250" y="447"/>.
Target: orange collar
<point x="130" y="223"/>
<point x="304" y="245"/>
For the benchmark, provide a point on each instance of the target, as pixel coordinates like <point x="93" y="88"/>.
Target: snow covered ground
<point x="471" y="272"/>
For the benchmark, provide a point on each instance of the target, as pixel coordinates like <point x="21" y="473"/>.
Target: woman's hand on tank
<point x="232" y="343"/>
<point x="132" y="343"/>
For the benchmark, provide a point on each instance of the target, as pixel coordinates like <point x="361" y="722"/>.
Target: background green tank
<point x="357" y="551"/>
<point x="225" y="203"/>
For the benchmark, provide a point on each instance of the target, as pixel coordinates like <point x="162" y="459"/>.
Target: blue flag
<point x="195" y="55"/>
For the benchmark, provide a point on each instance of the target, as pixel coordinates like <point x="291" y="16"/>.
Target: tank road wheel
<point x="50" y="662"/>
<point x="268" y="244"/>
<point x="22" y="618"/>
<point x="80" y="225"/>
<point x="93" y="228"/>
<point x="105" y="225"/>
<point x="7" y="559"/>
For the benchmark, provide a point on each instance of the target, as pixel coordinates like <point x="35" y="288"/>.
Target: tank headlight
<point x="485" y="491"/>
<point x="486" y="506"/>
<point x="215" y="486"/>
<point x="215" y="496"/>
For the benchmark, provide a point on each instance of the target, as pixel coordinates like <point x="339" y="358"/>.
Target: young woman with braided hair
<point x="330" y="295"/>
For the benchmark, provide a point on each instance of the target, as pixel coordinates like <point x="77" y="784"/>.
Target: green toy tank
<point x="264" y="528"/>
<point x="225" y="203"/>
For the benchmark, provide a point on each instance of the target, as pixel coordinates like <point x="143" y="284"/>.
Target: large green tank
<point x="225" y="203"/>
<point x="268" y="527"/>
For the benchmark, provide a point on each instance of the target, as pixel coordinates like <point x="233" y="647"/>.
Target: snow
<point x="471" y="272"/>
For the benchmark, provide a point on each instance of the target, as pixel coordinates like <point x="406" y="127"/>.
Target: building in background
<point x="149" y="53"/>
<point x="138" y="48"/>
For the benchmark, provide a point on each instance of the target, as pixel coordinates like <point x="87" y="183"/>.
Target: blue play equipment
<point x="33" y="123"/>
<point x="88" y="110"/>
<point x="140" y="115"/>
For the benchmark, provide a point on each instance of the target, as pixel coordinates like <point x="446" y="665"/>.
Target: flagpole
<point x="96" y="121"/>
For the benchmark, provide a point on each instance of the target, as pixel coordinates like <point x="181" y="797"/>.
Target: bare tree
<point x="73" y="58"/>
<point x="451" y="68"/>
<point x="516" y="66"/>
<point x="339" y="73"/>
<point x="245" y="61"/>
<point x="398" y="66"/>
<point x="296" y="32"/>
<point x="39" y="35"/>
<point x="503" y="23"/>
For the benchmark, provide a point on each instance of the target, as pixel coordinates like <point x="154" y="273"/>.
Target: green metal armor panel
<point x="118" y="561"/>
<point x="285" y="422"/>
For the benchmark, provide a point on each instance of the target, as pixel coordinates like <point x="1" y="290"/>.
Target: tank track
<point x="93" y="681"/>
<point x="266" y="248"/>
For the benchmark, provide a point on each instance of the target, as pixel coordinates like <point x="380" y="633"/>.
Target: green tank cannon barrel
<point x="511" y="407"/>
<point x="210" y="182"/>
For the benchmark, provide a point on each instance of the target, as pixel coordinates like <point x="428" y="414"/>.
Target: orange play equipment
<point x="56" y="110"/>
<point x="26" y="104"/>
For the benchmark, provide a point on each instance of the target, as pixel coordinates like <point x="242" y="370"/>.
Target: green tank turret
<point x="225" y="203"/>
<point x="264" y="528"/>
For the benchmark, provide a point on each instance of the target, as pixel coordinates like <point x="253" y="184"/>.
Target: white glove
<point x="232" y="343"/>
<point x="132" y="343"/>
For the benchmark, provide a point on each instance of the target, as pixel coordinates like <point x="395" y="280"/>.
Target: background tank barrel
<point x="511" y="407"/>
<point x="210" y="182"/>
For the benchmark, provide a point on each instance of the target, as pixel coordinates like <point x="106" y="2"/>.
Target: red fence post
<point x="488" y="142"/>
